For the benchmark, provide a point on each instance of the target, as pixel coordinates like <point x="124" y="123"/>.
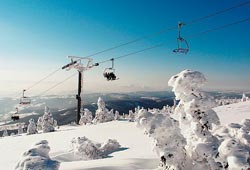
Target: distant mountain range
<point x="63" y="108"/>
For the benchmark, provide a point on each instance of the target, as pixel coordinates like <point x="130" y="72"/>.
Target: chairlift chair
<point x="15" y="116"/>
<point x="182" y="44"/>
<point x="109" y="73"/>
<point x="24" y="100"/>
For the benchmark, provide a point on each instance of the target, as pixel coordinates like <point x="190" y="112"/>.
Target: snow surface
<point x="233" y="113"/>
<point x="136" y="147"/>
<point x="135" y="153"/>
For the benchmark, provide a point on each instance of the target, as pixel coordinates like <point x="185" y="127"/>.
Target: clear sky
<point x="37" y="35"/>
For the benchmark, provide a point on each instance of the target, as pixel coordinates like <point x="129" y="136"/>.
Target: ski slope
<point x="136" y="152"/>
<point x="233" y="113"/>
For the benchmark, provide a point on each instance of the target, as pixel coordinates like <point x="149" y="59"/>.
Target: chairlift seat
<point x="181" y="50"/>
<point x="15" y="117"/>
<point x="25" y="101"/>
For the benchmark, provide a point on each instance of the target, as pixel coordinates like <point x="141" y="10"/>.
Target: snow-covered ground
<point x="135" y="152"/>
<point x="233" y="113"/>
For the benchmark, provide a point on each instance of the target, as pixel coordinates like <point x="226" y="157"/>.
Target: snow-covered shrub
<point x="86" y="149"/>
<point x="234" y="149"/>
<point x="5" y="132"/>
<point x="86" y="117"/>
<point x="48" y="122"/>
<point x="102" y="113"/>
<point x="37" y="158"/>
<point x="109" y="146"/>
<point x="31" y="127"/>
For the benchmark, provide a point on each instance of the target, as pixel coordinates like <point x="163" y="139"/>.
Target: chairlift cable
<point x="47" y="76"/>
<point x="190" y="36"/>
<point x="172" y="28"/>
<point x="218" y="28"/>
<point x="54" y="86"/>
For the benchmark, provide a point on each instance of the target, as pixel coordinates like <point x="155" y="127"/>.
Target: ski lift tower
<point x="81" y="64"/>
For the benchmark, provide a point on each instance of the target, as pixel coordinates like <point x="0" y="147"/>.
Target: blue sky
<point x="36" y="36"/>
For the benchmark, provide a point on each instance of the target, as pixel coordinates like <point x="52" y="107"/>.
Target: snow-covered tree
<point x="20" y="129"/>
<point x="5" y="132"/>
<point x="86" y="117"/>
<point x="195" y="114"/>
<point x="244" y="97"/>
<point x="48" y="122"/>
<point x="117" y="115"/>
<point x="37" y="158"/>
<point x="131" y="116"/>
<point x="31" y="127"/>
<point x="39" y="123"/>
<point x="166" y="135"/>
<point x="102" y="113"/>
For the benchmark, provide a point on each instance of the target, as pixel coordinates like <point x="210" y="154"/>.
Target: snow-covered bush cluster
<point x="46" y="123"/>
<point x="37" y="158"/>
<point x="189" y="141"/>
<point x="228" y="101"/>
<point x="86" y="149"/>
<point x="102" y="113"/>
<point x="86" y="117"/>
<point x="234" y="149"/>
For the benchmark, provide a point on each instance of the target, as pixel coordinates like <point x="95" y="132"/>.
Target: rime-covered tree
<point x="244" y="97"/>
<point x="117" y="115"/>
<point x="5" y="132"/>
<point x="196" y="114"/>
<point x="86" y="117"/>
<point x="102" y="113"/>
<point x="131" y="116"/>
<point x="48" y="122"/>
<point x="31" y="127"/>
<point x="20" y="128"/>
<point x="39" y="123"/>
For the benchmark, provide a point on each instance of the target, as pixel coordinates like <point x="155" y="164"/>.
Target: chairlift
<point x="24" y="100"/>
<point x="109" y="73"/>
<point x="15" y="116"/>
<point x="182" y="44"/>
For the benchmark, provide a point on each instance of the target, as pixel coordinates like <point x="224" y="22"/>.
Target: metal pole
<point x="78" y="97"/>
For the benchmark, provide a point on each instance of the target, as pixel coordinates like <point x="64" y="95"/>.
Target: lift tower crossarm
<point x="78" y="64"/>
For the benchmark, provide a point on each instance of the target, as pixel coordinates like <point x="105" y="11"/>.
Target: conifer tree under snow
<point x="102" y="113"/>
<point x="31" y="127"/>
<point x="5" y="132"/>
<point x="48" y="122"/>
<point x="86" y="117"/>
